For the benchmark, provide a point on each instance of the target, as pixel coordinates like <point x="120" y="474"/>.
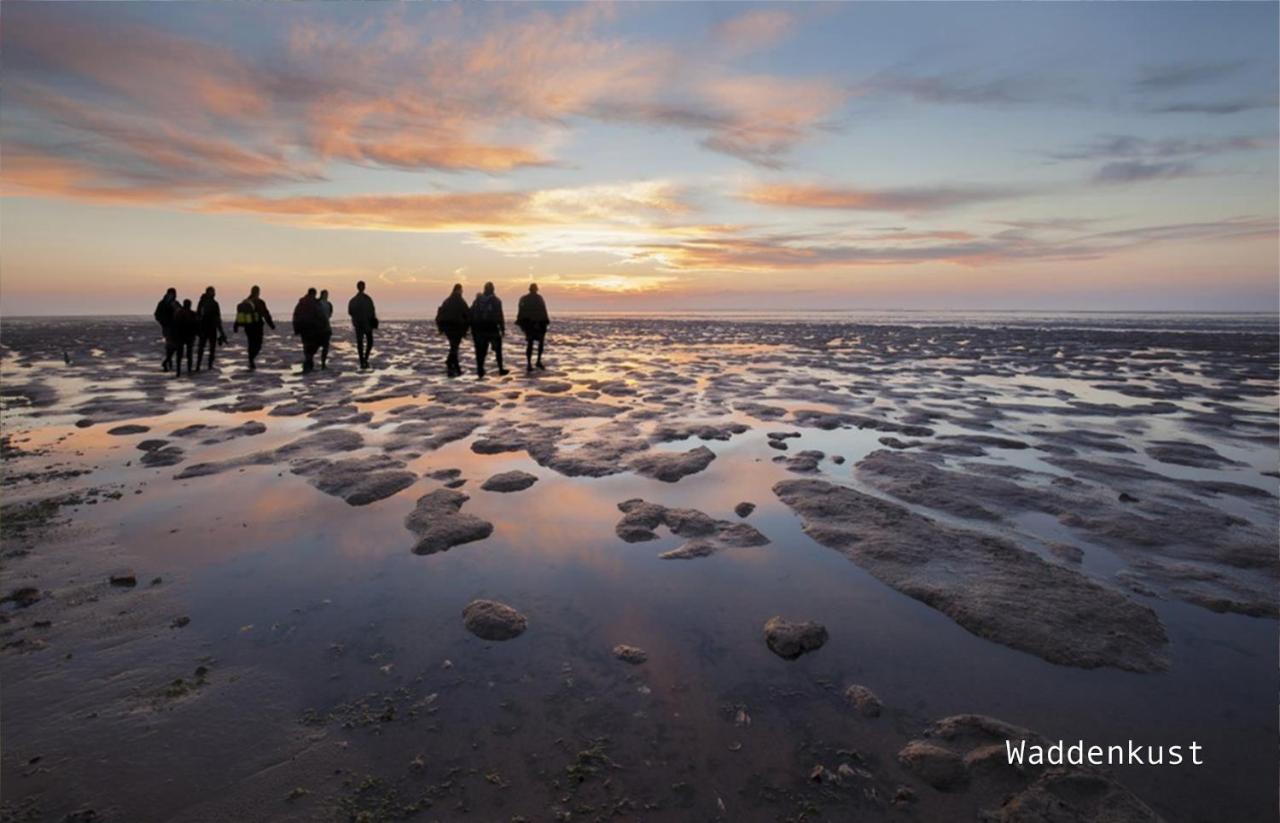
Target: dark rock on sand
<point x="941" y="768"/>
<point x="128" y="428"/>
<point x="162" y="456"/>
<point x="1183" y="453"/>
<point x="491" y="620"/>
<point x="249" y="428"/>
<point x="359" y="480"/>
<point x="1073" y="796"/>
<point x="125" y="579"/>
<point x="440" y="525"/>
<point x="864" y="700"/>
<point x="640" y="520"/>
<point x="987" y="584"/>
<point x="325" y="442"/>
<point x="22" y="597"/>
<point x="512" y="481"/>
<point x="744" y="509"/>
<point x="805" y="462"/>
<point x="671" y="466"/>
<point x="789" y="640"/>
<point x="630" y="654"/>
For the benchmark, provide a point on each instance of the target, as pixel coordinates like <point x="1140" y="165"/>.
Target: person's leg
<point x="360" y="346"/>
<point x="528" y="353"/>
<point x="482" y="350"/>
<point x="189" y="347"/>
<point x="200" y="351"/>
<point x="368" y="346"/>
<point x="324" y="352"/>
<point x="174" y="355"/>
<point x="452" y="366"/>
<point x="541" y="340"/>
<point x="254" y="336"/>
<point x="496" y="342"/>
<point x="213" y="344"/>
<point x="168" y="352"/>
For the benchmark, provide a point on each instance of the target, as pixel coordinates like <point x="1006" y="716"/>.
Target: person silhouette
<point x="164" y="316"/>
<point x="308" y="324"/>
<point x="209" y="320"/>
<point x="326" y="334"/>
<point x="487" y="328"/>
<point x="251" y="314"/>
<point x="453" y="319"/>
<point x="531" y="318"/>
<point x="183" y="331"/>
<point x="364" y="319"/>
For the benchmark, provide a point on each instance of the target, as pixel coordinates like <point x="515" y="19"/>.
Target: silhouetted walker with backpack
<point x="531" y="318"/>
<point x="453" y="320"/>
<point x="182" y="337"/>
<point x="487" y="328"/>
<point x="326" y="333"/>
<point x="251" y="314"/>
<point x="364" y="319"/>
<point x="209" y="321"/>
<point x="164" y="312"/>
<point x="309" y="324"/>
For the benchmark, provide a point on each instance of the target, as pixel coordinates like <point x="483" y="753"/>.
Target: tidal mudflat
<point x="389" y="595"/>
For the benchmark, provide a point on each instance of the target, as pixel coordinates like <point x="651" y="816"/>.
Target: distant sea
<point x="1217" y="322"/>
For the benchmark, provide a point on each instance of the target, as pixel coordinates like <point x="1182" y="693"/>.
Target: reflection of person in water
<point x="453" y="319"/>
<point x="309" y="325"/>
<point x="364" y="319"/>
<point x="164" y="316"/>
<point x="487" y="328"/>
<point x="251" y="314"/>
<point x="326" y="334"/>
<point x="209" y="320"/>
<point x="531" y="318"/>
<point x="182" y="332"/>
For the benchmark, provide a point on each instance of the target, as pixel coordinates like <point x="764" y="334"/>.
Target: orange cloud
<point x="448" y="88"/>
<point x="608" y="208"/>
<point x="906" y="200"/>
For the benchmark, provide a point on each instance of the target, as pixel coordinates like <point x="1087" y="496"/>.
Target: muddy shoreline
<point x="242" y="595"/>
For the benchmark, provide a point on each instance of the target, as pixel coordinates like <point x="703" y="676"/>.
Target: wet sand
<point x="241" y="595"/>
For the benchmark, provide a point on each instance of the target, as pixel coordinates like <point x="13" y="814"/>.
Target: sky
<point x="642" y="156"/>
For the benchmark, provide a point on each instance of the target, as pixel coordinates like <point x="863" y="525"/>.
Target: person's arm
<point x="266" y="314"/>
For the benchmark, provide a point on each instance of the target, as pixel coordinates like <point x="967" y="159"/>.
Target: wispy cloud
<point x="1124" y="146"/>
<point x="1181" y="75"/>
<point x="1132" y="159"/>
<point x="1136" y="171"/>
<point x="772" y="252"/>
<point x="136" y="107"/>
<point x="1215" y="106"/>
<point x="1211" y="80"/>
<point x="904" y="200"/>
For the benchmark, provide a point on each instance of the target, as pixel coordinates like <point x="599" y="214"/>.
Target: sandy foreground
<point x="241" y="596"/>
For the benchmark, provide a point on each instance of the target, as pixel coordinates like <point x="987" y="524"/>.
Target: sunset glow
<point x="646" y="156"/>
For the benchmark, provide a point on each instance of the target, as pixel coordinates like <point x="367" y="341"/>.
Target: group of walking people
<point x="188" y="331"/>
<point x="487" y="325"/>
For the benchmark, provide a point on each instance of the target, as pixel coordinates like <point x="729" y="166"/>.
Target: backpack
<point x="247" y="314"/>
<point x="485" y="312"/>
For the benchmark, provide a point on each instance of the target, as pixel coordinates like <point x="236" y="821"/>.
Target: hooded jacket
<point x="486" y="315"/>
<point x="453" y="318"/>
<point x="531" y="314"/>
